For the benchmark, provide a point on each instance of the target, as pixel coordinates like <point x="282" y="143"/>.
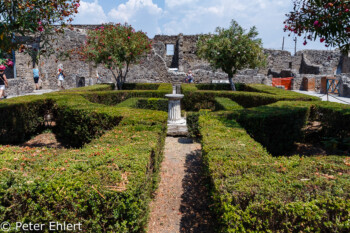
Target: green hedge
<point x="140" y="86"/>
<point x="284" y="94"/>
<point x="148" y="86"/>
<point x="22" y="117"/>
<point x="159" y="104"/>
<point x="226" y="104"/>
<point x="96" y="87"/>
<point x="193" y="101"/>
<point x="248" y="96"/>
<point x="107" y="185"/>
<point x="116" y="97"/>
<point x="255" y="192"/>
<point x="276" y="126"/>
<point x="219" y="86"/>
<point x="153" y="104"/>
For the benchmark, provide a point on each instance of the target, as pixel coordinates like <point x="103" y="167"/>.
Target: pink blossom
<point x="322" y="40"/>
<point x="41" y="28"/>
<point x="316" y="23"/>
<point x="9" y="63"/>
<point x="129" y="37"/>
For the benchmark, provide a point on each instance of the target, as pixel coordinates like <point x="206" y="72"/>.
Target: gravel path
<point x="181" y="202"/>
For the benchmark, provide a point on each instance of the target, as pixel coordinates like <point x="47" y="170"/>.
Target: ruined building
<point x="172" y="57"/>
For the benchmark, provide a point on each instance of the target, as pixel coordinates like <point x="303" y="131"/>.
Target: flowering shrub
<point x="32" y="18"/>
<point x="117" y="47"/>
<point x="325" y="19"/>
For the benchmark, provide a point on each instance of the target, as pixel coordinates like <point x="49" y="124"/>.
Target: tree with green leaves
<point x="232" y="50"/>
<point x="328" y="20"/>
<point x="117" y="47"/>
<point x="26" y="21"/>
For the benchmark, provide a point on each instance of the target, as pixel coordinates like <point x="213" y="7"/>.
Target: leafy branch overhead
<point x="328" y="20"/>
<point x="232" y="49"/>
<point x="31" y="21"/>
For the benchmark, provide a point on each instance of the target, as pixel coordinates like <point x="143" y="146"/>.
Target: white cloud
<point x="90" y="13"/>
<point x="126" y="12"/>
<point x="141" y="14"/>
<point x="195" y="16"/>
<point x="176" y="3"/>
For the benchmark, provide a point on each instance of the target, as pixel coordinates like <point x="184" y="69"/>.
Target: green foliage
<point x="23" y="18"/>
<point x="255" y="192"/>
<point x="141" y="86"/>
<point x="283" y="94"/>
<point x="18" y="121"/>
<point x="232" y="49"/>
<point x="117" y="47"/>
<point x="277" y="126"/>
<point x="106" y="185"/>
<point x="116" y="97"/>
<point x="226" y="104"/>
<point x="321" y="18"/>
<point x="153" y="103"/>
<point x="97" y="87"/>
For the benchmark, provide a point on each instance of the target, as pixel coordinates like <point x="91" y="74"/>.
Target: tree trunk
<point x="233" y="87"/>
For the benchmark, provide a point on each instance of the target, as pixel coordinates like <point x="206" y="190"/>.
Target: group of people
<point x="36" y="75"/>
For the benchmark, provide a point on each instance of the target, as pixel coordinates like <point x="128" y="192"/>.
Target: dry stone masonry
<point x="171" y="58"/>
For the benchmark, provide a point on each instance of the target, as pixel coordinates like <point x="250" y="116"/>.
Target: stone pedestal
<point x="176" y="124"/>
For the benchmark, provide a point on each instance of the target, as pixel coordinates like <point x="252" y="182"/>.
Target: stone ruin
<point x="172" y="57"/>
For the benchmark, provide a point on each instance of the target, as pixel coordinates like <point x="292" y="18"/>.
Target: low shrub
<point x="116" y="97"/>
<point x="283" y="94"/>
<point x="106" y="185"/>
<point x="219" y="86"/>
<point x="276" y="126"/>
<point x="153" y="104"/>
<point x="255" y="192"/>
<point x="96" y="87"/>
<point x="226" y="104"/>
<point x="22" y="117"/>
<point x="140" y="86"/>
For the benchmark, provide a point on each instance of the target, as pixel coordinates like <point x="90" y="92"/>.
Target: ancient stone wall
<point x="320" y="61"/>
<point x="306" y="65"/>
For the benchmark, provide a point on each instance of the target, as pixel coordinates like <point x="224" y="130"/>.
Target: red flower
<point x="322" y="40"/>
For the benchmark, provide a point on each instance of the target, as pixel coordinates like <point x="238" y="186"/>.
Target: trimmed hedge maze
<point x="254" y="187"/>
<point x="106" y="175"/>
<point x="105" y="178"/>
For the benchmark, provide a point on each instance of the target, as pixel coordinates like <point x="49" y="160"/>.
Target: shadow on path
<point x="196" y="215"/>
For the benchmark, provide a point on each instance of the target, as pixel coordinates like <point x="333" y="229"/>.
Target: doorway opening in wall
<point x="80" y="82"/>
<point x="170" y="49"/>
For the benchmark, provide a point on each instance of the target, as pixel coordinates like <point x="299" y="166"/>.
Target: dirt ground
<point x="45" y="139"/>
<point x="182" y="201"/>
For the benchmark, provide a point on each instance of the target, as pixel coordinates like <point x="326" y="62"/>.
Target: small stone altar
<point x="177" y="126"/>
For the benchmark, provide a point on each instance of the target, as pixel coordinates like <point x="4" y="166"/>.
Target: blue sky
<point x="171" y="17"/>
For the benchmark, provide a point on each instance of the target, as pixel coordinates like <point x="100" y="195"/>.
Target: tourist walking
<point x="61" y="78"/>
<point x="3" y="82"/>
<point x="36" y="75"/>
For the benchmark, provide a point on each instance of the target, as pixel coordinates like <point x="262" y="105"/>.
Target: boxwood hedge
<point x="106" y="185"/>
<point x="255" y="192"/>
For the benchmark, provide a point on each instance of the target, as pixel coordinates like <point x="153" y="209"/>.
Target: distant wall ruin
<point x="171" y="66"/>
